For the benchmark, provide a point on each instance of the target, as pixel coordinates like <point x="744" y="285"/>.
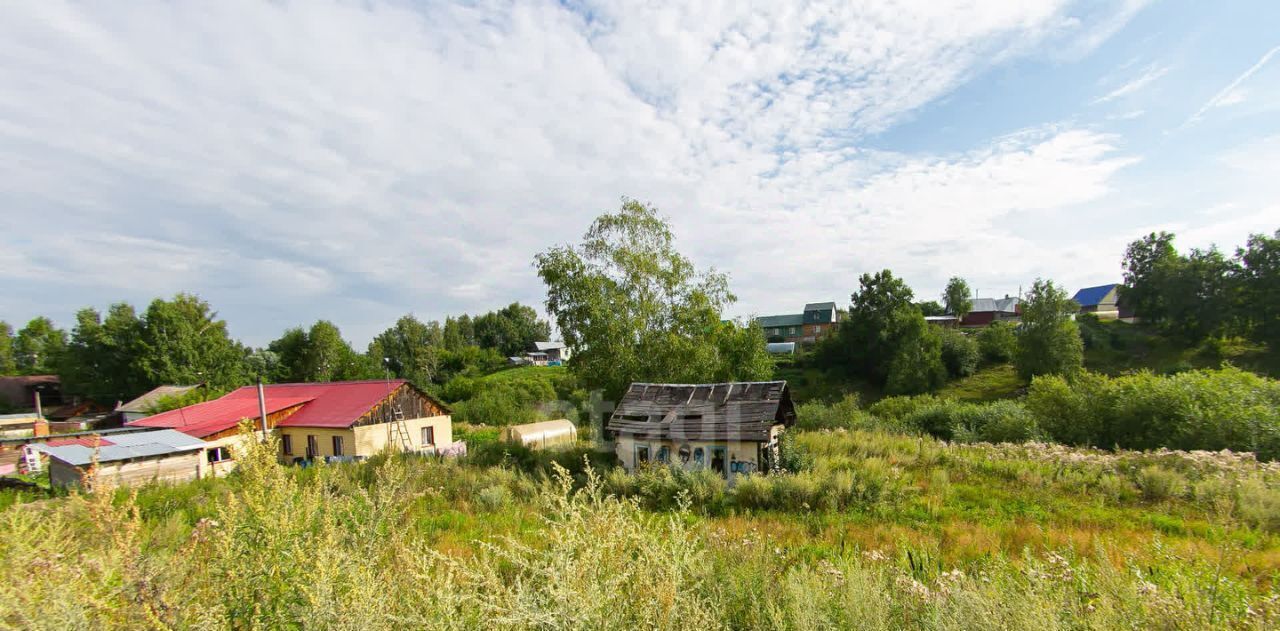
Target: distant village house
<point x="817" y="321"/>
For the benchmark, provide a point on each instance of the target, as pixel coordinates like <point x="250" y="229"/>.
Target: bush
<point x="844" y="414"/>
<point x="493" y="498"/>
<point x="1159" y="484"/>
<point x="1199" y="409"/>
<point x="959" y="353"/>
<point x="998" y="342"/>
<point x="900" y="407"/>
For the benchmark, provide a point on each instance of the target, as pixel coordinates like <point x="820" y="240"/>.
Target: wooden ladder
<point x="400" y="431"/>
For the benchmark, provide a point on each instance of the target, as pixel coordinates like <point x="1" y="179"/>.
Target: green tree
<point x="883" y="325"/>
<point x="916" y="366"/>
<point x="1259" y="274"/>
<point x="184" y="342"/>
<point x="1049" y="341"/>
<point x="102" y="357"/>
<point x="319" y="354"/>
<point x="960" y="353"/>
<point x="956" y="297"/>
<point x="7" y="364"/>
<point x="998" y="342"/>
<point x="931" y="308"/>
<point x="290" y="350"/>
<point x="1145" y="263"/>
<point x="634" y="309"/>
<point x="411" y="349"/>
<point x="512" y="329"/>
<point x="1197" y="293"/>
<point x="459" y="332"/>
<point x="39" y="346"/>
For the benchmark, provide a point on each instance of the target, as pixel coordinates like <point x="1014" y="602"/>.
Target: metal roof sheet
<point x="124" y="447"/>
<point x="790" y="319"/>
<point x="1092" y="296"/>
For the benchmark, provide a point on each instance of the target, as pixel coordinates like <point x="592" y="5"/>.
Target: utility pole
<point x="262" y="408"/>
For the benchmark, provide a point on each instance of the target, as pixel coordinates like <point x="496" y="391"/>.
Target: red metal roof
<point x="335" y="405"/>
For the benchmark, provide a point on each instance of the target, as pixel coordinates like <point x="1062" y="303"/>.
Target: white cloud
<point x="356" y="161"/>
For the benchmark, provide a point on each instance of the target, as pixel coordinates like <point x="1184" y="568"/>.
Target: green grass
<point x="521" y="373"/>
<point x="989" y="383"/>
<point x="923" y="535"/>
<point x="1120" y="348"/>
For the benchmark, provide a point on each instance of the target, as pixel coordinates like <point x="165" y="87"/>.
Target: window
<point x="817" y="328"/>
<point x="684" y="454"/>
<point x="218" y="454"/>
<point x="791" y="330"/>
<point x="337" y="445"/>
<point x="642" y="454"/>
<point x="286" y="444"/>
<point x="699" y="456"/>
<point x="718" y="460"/>
<point x="428" y="436"/>
<point x="664" y="454"/>
<point x="312" y="449"/>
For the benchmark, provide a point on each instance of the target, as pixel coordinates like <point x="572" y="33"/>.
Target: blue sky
<point x="356" y="161"/>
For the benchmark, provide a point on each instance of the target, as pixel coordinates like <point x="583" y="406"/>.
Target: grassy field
<point x="883" y="531"/>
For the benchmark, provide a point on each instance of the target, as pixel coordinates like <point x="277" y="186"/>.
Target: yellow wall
<point x="365" y="440"/>
<point x="740" y="451"/>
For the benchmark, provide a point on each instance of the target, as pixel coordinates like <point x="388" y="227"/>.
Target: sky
<point x="356" y="161"/>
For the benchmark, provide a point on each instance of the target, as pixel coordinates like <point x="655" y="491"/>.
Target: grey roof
<point x="125" y="447"/>
<point x="943" y="318"/>
<point x="1003" y="305"/>
<point x="710" y="411"/>
<point x="144" y="403"/>
<point x="791" y="319"/>
<point x="547" y="346"/>
<point x="819" y="306"/>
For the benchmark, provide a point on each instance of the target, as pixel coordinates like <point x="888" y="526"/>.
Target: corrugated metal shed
<point x="122" y="447"/>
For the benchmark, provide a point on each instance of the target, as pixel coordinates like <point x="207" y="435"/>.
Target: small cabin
<point x="128" y="459"/>
<point x="729" y="428"/>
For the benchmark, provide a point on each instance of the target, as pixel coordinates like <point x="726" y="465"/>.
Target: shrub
<point x="1004" y="422"/>
<point x="1158" y="483"/>
<point x="493" y="498"/>
<point x="843" y="414"/>
<point x="1073" y="412"/>
<point x="959" y="353"/>
<point x="998" y="342"/>
<point x="901" y="406"/>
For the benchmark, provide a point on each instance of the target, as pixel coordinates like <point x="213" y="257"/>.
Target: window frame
<point x="286" y="444"/>
<point x="337" y="446"/>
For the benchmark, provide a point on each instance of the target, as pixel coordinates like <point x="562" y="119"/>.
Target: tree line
<point x="1205" y="293"/>
<point x="124" y="353"/>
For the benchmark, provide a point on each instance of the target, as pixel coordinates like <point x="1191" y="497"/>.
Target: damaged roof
<point x="745" y="411"/>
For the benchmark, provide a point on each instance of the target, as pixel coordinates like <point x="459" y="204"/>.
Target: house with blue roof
<point x="1102" y="301"/>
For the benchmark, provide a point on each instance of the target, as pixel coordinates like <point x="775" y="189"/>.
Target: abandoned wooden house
<point x="125" y="459"/>
<point x="730" y="428"/>
<point x="348" y="419"/>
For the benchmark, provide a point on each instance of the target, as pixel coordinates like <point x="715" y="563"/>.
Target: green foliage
<point x="960" y="353"/>
<point x="7" y="364"/>
<point x="956" y="297"/>
<point x="102" y="357"/>
<point x="410" y="349"/>
<point x="1205" y="409"/>
<point x="635" y="309"/>
<point x="1260" y="288"/>
<point x="917" y="361"/>
<point x="991" y="383"/>
<point x="931" y="308"/>
<point x="1144" y="264"/>
<point x="39" y="347"/>
<point x="190" y="397"/>
<point x="515" y="396"/>
<point x="183" y="341"/>
<point x="998" y="342"/>
<point x="885" y="340"/>
<point x="319" y="354"/>
<point x="1048" y="341"/>
<point x="511" y="330"/>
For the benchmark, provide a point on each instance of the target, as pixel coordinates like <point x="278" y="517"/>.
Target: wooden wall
<point x="171" y="468"/>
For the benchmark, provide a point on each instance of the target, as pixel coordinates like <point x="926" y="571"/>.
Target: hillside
<point x="884" y="531"/>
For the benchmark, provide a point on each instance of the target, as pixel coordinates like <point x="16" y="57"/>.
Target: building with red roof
<point x="343" y="419"/>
